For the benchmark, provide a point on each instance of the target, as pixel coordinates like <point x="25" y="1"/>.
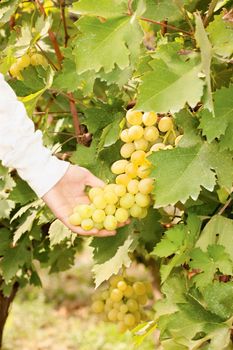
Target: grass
<point x="58" y="316"/>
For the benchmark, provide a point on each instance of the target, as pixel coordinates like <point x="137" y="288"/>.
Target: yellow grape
<point x="110" y="197"/>
<point x="121" y="215"/>
<point x="114" y="279"/>
<point x="132" y="305"/>
<point x="151" y="133"/>
<point x="132" y="186"/>
<point x="37" y="59"/>
<point x="127" y="149"/>
<point x="120" y="190"/>
<point x="14" y="70"/>
<point x="97" y="306"/>
<point x="98" y="215"/>
<point x="135" y="211"/>
<point x="105" y="295"/>
<point x="122" y="285"/>
<point x="139" y="288"/>
<point x="135" y="132"/>
<point x="23" y="61"/>
<point x="110" y="223"/>
<point x="95" y="191"/>
<point x="134" y="117"/>
<point x="141" y="144"/>
<point x="122" y="179"/>
<point x="99" y="202"/>
<point x="120" y="316"/>
<point x="149" y="118"/>
<point x="165" y="124"/>
<point x="118" y="167"/>
<point x="131" y="170"/>
<point x="177" y="140"/>
<point x="117" y="306"/>
<point x="128" y="292"/>
<point x="84" y="210"/>
<point x="144" y="213"/>
<point x="75" y="219"/>
<point x="112" y="315"/>
<point x="137" y="316"/>
<point x="110" y="209"/>
<point x="138" y="157"/>
<point x="116" y="295"/>
<point x="157" y="146"/>
<point x="124" y="136"/>
<point x="122" y="327"/>
<point x="109" y="302"/>
<point x="145" y="186"/>
<point x="142" y="299"/>
<point x="129" y="320"/>
<point x="127" y="201"/>
<point x="124" y="308"/>
<point x="109" y="187"/>
<point x="143" y="200"/>
<point x="99" y="225"/>
<point x="143" y="171"/>
<point x="87" y="224"/>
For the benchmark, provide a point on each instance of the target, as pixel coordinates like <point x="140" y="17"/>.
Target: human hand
<point x="68" y="193"/>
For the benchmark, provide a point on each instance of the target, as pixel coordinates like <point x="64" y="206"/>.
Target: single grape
<point x="121" y="215"/>
<point x="85" y="210"/>
<point x="110" y="209"/>
<point x="109" y="302"/>
<point x="114" y="279"/>
<point x="99" y="225"/>
<point x="124" y="308"/>
<point x="144" y="213"/>
<point x="87" y="224"/>
<point x="75" y="219"/>
<point x="120" y="190"/>
<point x="165" y="124"/>
<point x="120" y="316"/>
<point x="127" y="149"/>
<point x="122" y="327"/>
<point x="95" y="191"/>
<point x="142" y="299"/>
<point x="135" y="211"/>
<point x="137" y="316"/>
<point x="149" y="118"/>
<point x="132" y="305"/>
<point x="134" y="117"/>
<point x="145" y="186"/>
<point x="141" y="144"/>
<point x="110" y="223"/>
<point x="122" y="285"/>
<point x="143" y="171"/>
<point x="151" y="133"/>
<point x="98" y="306"/>
<point x="135" y="132"/>
<point x="157" y="146"/>
<point x="143" y="200"/>
<point x="124" y="136"/>
<point x="128" y="292"/>
<point x="138" y="157"/>
<point x="132" y="186"/>
<point x="14" y="70"/>
<point x="99" y="202"/>
<point x="116" y="295"/>
<point x="109" y="187"/>
<point x="139" y="288"/>
<point x="131" y="170"/>
<point x="177" y="140"/>
<point x="37" y="59"/>
<point x="110" y="197"/>
<point x="122" y="179"/>
<point x="112" y="315"/>
<point x="23" y="61"/>
<point x="105" y="295"/>
<point x="98" y="215"/>
<point x="127" y="201"/>
<point x="129" y="320"/>
<point x="118" y="167"/>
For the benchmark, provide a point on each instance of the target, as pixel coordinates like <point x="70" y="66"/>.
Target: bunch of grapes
<point x="34" y="59"/>
<point x="130" y="195"/>
<point x="122" y="301"/>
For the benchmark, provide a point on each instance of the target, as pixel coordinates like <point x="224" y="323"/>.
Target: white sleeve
<point x="21" y="146"/>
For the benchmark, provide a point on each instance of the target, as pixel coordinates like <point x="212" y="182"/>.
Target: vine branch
<point x="63" y="17"/>
<point x="225" y="206"/>
<point x="210" y="11"/>
<point x="163" y="24"/>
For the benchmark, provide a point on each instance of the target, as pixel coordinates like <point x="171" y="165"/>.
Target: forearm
<point x="21" y="146"/>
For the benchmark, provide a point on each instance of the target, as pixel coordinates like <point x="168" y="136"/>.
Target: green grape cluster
<point x="130" y="195"/>
<point x="34" y="59"/>
<point x="122" y="301"/>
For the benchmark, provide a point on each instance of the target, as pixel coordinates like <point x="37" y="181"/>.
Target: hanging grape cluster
<point x="130" y="195"/>
<point x="33" y="58"/>
<point x="122" y="301"/>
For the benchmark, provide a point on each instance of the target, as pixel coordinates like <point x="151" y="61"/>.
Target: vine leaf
<point x="94" y="47"/>
<point x="58" y="232"/>
<point x="7" y="8"/>
<point x="162" y="90"/>
<point x="173" y="170"/>
<point x="101" y="8"/>
<point x="25" y="227"/>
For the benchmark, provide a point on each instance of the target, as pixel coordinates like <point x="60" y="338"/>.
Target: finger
<point x="94" y="232"/>
<point x="94" y="181"/>
<point x="124" y="223"/>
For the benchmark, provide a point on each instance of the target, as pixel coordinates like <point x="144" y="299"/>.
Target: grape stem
<point x="225" y="206"/>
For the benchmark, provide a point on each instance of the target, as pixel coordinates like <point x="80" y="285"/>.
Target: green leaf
<point x="162" y="90"/>
<point x="58" y="232"/>
<point x="22" y="193"/>
<point x="189" y="124"/>
<point x="215" y="126"/>
<point x="171" y="242"/>
<point x="121" y="258"/>
<point x="217" y="231"/>
<point x="25" y="227"/>
<point x="7" y="9"/>
<point x="142" y="331"/>
<point x="102" y="8"/>
<point x="93" y="49"/>
<point x="61" y="258"/>
<point x="209" y="263"/>
<point x="206" y="57"/>
<point x="221" y="36"/>
<point x="5" y="208"/>
<point x="5" y="240"/>
<point x="218" y="299"/>
<point x="160" y="10"/>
